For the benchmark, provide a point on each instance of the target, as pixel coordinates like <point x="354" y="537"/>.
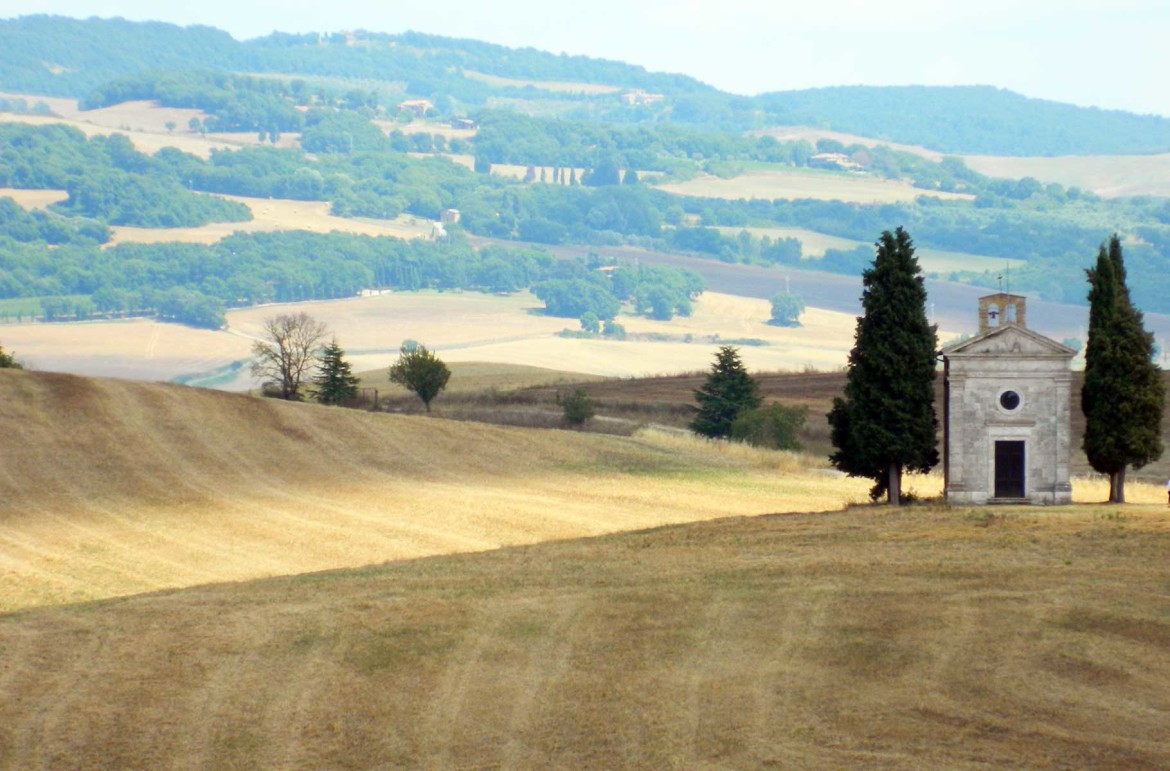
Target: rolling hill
<point x="113" y="487"/>
<point x="57" y="56"/>
<point x="929" y="636"/>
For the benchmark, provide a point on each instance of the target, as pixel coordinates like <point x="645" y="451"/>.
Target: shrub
<point x="774" y="426"/>
<point x="577" y="406"/>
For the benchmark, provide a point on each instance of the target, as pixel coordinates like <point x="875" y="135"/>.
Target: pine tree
<point x="728" y="392"/>
<point x="1123" y="394"/>
<point x="335" y="382"/>
<point x="886" y="423"/>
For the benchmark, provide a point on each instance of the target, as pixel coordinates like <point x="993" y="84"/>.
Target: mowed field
<point x="462" y="326"/>
<point x="791" y="184"/>
<point x="1110" y="176"/>
<point x="596" y="602"/>
<point x="113" y="487"/>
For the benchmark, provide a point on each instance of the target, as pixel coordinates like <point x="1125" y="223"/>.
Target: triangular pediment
<point x="1009" y="340"/>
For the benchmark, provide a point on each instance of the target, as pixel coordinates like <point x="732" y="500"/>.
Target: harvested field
<point x="462" y="326"/>
<point x="1109" y="176"/>
<point x="143" y="349"/>
<point x="424" y="127"/>
<point x="561" y="86"/>
<point x="927" y="637"/>
<point x="33" y="199"/>
<point x="122" y="487"/>
<point x="823" y="186"/>
<point x="272" y="214"/>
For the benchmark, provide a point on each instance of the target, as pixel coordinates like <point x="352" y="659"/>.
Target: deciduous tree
<point x="1123" y="394"/>
<point x="8" y="360"/>
<point x="287" y="352"/>
<point x="420" y="371"/>
<point x="728" y="392"/>
<point x="786" y="309"/>
<point x="886" y="423"/>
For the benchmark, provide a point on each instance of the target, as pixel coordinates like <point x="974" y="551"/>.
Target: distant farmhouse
<point x="418" y="107"/>
<point x="464" y="124"/>
<point x="639" y="96"/>
<point x="835" y="162"/>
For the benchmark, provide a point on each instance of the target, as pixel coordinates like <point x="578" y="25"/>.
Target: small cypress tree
<point x="728" y="392"/>
<point x="886" y="423"/>
<point x="335" y="382"/>
<point x="1123" y="394"/>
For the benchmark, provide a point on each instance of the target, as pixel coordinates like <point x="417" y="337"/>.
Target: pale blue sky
<point x="1104" y="53"/>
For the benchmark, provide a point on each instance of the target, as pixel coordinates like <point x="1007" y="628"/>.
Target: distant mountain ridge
<point x="58" y="56"/>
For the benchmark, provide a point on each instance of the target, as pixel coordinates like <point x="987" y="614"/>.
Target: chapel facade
<point x="1006" y="411"/>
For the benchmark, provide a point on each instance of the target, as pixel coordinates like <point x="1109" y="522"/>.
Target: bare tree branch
<point x="289" y="351"/>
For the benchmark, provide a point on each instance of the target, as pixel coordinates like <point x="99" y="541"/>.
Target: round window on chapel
<point x="1009" y="400"/>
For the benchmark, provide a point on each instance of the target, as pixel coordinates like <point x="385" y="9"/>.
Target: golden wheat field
<point x="826" y="186"/>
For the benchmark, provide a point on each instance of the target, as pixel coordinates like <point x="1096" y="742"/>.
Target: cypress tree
<point x="1123" y="393"/>
<point x="886" y="422"/>
<point x="335" y="382"/>
<point x="728" y="391"/>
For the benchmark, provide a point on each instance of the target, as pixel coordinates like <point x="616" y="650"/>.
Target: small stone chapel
<point x="1006" y="411"/>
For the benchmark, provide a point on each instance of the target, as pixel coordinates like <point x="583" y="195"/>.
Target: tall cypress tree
<point x="335" y="382"/>
<point x="886" y="423"/>
<point x="1123" y="393"/>
<point x="728" y="391"/>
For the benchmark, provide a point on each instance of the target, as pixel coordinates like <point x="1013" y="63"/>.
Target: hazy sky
<point x="1104" y="53"/>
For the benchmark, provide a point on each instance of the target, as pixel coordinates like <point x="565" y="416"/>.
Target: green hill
<point x="59" y="56"/>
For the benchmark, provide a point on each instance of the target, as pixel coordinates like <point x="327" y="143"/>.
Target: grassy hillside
<point x="111" y="487"/>
<point x="926" y="638"/>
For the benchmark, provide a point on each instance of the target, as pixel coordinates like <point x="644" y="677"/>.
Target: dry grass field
<point x="824" y="186"/>
<point x="462" y="326"/>
<point x="33" y="199"/>
<point x="143" y="349"/>
<point x="534" y="599"/>
<point x="925" y="637"/>
<point x="424" y="127"/>
<point x="271" y="214"/>
<point x="1110" y="176"/>
<point x="113" y="487"/>
<point x="560" y="86"/>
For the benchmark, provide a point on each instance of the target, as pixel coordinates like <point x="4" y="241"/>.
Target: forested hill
<point x="67" y="57"/>
<point x="970" y="119"/>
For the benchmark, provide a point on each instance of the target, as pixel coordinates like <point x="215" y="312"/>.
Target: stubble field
<point x="462" y="326"/>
